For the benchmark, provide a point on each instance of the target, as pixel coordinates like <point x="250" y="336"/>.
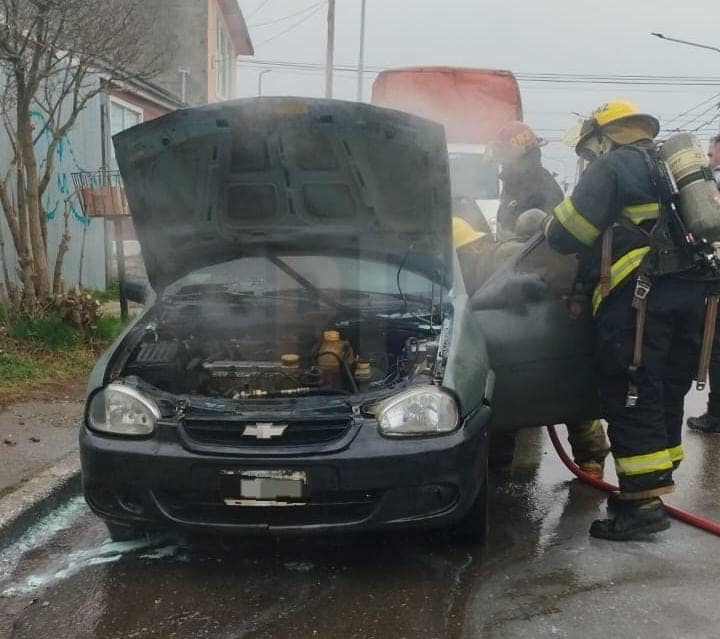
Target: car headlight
<point x="422" y="411"/>
<point x="121" y="410"/>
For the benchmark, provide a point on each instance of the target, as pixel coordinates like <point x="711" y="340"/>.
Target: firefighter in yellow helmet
<point x="474" y="250"/>
<point x="648" y="305"/>
<point x="479" y="257"/>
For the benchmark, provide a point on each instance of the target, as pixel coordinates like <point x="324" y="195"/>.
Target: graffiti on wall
<point x="64" y="192"/>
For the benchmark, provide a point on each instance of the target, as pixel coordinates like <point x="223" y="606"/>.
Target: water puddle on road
<point x="41" y="557"/>
<point x="57" y="521"/>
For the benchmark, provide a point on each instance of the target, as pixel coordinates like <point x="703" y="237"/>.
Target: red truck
<point x="472" y="104"/>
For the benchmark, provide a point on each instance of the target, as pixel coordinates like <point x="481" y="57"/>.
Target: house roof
<point x="237" y="27"/>
<point x="149" y="91"/>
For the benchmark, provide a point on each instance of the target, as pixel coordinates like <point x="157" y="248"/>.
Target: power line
<point x="294" y="25"/>
<point x="310" y="70"/>
<point x="546" y="88"/>
<point x="569" y="115"/>
<point x="287" y="17"/>
<point x="258" y="9"/>
<point x="554" y="78"/>
<point x="685" y="125"/>
<point x="588" y="89"/>
<point x="692" y="108"/>
<point x="707" y="123"/>
<point x="649" y="81"/>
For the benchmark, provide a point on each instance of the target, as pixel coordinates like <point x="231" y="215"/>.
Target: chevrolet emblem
<point x="264" y="430"/>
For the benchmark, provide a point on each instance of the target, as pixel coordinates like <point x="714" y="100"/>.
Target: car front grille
<point x="327" y="508"/>
<point x="239" y="432"/>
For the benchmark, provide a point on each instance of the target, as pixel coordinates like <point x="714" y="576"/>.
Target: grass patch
<point x="53" y="333"/>
<point x="107" y="328"/>
<point x="15" y="368"/>
<point x="28" y="369"/>
<point x="110" y="294"/>
<point x="50" y="331"/>
<point x="46" y="357"/>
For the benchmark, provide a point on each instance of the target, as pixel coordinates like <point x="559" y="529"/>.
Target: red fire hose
<point x="682" y="515"/>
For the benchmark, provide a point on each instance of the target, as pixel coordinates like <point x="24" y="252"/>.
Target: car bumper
<point x="372" y="483"/>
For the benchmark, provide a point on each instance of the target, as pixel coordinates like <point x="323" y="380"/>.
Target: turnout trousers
<point x="646" y="439"/>
<point x="714" y="377"/>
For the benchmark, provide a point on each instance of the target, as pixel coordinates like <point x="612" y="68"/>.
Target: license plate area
<point x="245" y="487"/>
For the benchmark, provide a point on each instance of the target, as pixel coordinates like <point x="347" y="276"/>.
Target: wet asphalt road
<point x="33" y="436"/>
<point x="539" y="575"/>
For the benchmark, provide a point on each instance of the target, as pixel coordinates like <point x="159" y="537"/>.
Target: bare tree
<point x="55" y="57"/>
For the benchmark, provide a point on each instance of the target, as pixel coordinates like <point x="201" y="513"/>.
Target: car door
<point x="541" y="356"/>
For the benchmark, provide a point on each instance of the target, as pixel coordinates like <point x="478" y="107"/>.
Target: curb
<point x="36" y="498"/>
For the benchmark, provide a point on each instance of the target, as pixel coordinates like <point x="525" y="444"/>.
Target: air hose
<point x="707" y="525"/>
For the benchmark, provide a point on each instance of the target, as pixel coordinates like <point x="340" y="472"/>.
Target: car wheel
<point x="124" y="532"/>
<point x="473" y="527"/>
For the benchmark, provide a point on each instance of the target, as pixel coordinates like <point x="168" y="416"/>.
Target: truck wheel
<point x="473" y="527"/>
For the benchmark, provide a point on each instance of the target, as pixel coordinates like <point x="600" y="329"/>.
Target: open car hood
<point x="280" y="176"/>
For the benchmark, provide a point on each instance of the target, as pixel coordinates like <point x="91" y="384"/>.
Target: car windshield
<point x="343" y="277"/>
<point x="473" y="177"/>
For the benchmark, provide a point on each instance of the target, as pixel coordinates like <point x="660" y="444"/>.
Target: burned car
<point x="307" y="359"/>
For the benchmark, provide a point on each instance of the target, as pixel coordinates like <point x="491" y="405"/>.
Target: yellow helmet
<point x="464" y="233"/>
<point x="619" y="120"/>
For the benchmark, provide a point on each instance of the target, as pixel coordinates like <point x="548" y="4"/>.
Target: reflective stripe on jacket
<point x="615" y="191"/>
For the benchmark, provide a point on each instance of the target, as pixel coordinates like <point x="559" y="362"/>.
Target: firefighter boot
<point x="615" y="504"/>
<point x="706" y="423"/>
<point x="589" y="446"/>
<point x="594" y="469"/>
<point x="634" y="521"/>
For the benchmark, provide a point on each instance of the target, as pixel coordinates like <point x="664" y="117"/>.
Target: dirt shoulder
<point x="29" y="372"/>
<point x="34" y="435"/>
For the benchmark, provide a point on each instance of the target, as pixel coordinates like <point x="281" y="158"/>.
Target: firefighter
<point x="468" y="209"/>
<point x="709" y="422"/>
<point x="475" y="252"/>
<point x="526" y="183"/>
<point x="479" y="257"/>
<point x="660" y="301"/>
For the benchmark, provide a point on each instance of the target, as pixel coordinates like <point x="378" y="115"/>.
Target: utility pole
<point x="361" y="56"/>
<point x="329" y="58"/>
<point x="260" y="77"/>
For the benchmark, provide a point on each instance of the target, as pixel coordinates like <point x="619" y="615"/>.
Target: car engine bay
<point x="273" y="348"/>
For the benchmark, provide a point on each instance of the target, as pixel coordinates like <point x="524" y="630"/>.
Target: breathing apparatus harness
<point x="673" y="250"/>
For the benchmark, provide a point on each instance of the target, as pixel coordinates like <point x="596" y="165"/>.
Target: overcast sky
<point x="524" y="36"/>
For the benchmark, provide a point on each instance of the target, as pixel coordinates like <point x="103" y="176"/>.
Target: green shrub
<point x="51" y="331"/>
<point x="13" y="368"/>
<point x="111" y="293"/>
<point x="107" y="328"/>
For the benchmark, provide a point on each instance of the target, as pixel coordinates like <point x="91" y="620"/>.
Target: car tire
<point x="124" y="532"/>
<point x="473" y="527"/>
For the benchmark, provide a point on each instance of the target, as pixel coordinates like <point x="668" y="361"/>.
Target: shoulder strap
<point x="667" y="237"/>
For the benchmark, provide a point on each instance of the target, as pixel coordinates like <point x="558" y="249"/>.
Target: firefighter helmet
<point x="620" y="121"/>
<point x="514" y="140"/>
<point x="464" y="233"/>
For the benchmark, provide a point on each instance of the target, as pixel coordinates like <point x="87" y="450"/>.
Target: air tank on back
<point x="699" y="197"/>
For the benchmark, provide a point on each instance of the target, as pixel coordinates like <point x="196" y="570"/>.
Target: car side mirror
<point x="136" y="290"/>
<point x="512" y="290"/>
